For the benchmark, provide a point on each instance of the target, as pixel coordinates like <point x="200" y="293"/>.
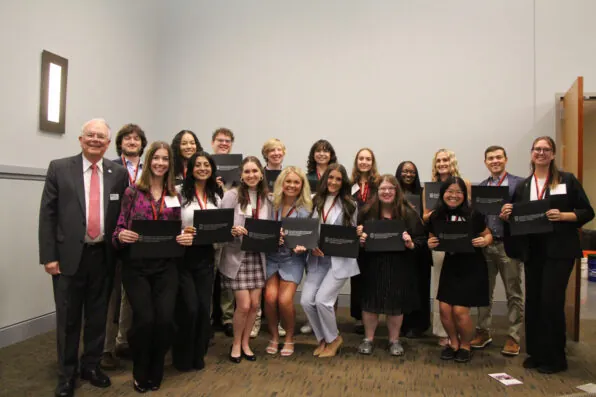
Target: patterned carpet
<point x="28" y="369"/>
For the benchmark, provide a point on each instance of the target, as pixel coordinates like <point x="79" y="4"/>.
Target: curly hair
<point x="453" y="167"/>
<point x="179" y="161"/>
<point x="129" y="129"/>
<point x="321" y="144"/>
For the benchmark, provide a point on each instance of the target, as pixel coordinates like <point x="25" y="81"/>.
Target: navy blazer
<point x="563" y="242"/>
<point x="513" y="181"/>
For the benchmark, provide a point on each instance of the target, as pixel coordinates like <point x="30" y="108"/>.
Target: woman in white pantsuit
<point x="326" y="275"/>
<point x="444" y="166"/>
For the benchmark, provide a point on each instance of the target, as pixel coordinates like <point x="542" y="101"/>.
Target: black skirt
<point x="389" y="282"/>
<point x="464" y="280"/>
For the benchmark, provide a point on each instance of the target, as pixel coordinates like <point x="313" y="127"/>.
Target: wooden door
<point x="571" y="148"/>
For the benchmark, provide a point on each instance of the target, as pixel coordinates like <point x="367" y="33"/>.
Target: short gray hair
<point x="97" y="120"/>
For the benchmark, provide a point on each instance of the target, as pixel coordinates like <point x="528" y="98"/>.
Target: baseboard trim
<point x="27" y="329"/>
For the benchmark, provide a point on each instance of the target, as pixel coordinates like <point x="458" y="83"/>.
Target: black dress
<point x="464" y="276"/>
<point x="390" y="279"/>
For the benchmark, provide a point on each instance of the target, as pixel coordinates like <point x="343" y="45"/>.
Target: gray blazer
<point x="341" y="267"/>
<point x="231" y="254"/>
<point x="62" y="217"/>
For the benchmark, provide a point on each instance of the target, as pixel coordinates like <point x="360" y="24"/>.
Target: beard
<point x="130" y="153"/>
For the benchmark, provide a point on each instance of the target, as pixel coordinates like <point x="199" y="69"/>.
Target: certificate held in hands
<point x="341" y="241"/>
<point x="530" y="218"/>
<point x="228" y="167"/>
<point x="453" y="236"/>
<point x="213" y="226"/>
<point x="384" y="235"/>
<point x="300" y="231"/>
<point x="157" y="239"/>
<point x="263" y="235"/>
<point x="431" y="194"/>
<point x="489" y="200"/>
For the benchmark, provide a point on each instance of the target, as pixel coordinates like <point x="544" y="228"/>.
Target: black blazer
<point x="62" y="217"/>
<point x="563" y="242"/>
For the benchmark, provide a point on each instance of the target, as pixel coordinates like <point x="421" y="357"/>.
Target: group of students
<point x="171" y="298"/>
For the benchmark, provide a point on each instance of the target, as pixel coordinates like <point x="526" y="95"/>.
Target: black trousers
<point x="419" y="320"/>
<point x="84" y="293"/>
<point x="192" y="316"/>
<point x="546" y="283"/>
<point x="151" y="287"/>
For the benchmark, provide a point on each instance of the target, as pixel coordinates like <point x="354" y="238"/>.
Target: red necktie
<point x="93" y="223"/>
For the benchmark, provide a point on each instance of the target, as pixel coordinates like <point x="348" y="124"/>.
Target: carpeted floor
<point x="28" y="369"/>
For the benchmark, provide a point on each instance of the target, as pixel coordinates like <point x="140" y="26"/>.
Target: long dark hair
<point x="344" y="194"/>
<point x="415" y="187"/>
<point x="178" y="159"/>
<point x="321" y="144"/>
<point x="442" y="210"/>
<point x="262" y="187"/>
<point x="399" y="206"/>
<point x="211" y="187"/>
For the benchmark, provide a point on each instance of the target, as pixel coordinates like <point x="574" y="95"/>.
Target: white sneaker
<point x="306" y="329"/>
<point x="280" y="330"/>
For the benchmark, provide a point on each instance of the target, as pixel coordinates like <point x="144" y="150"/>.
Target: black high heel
<point x="235" y="360"/>
<point x="248" y="357"/>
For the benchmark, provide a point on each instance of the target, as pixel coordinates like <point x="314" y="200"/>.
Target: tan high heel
<point x="319" y="349"/>
<point x="332" y="348"/>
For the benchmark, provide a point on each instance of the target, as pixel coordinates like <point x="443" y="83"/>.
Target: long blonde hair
<point x="303" y="200"/>
<point x="453" y="167"/>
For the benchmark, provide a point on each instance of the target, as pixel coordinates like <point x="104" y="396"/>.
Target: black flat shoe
<point x="235" y="360"/>
<point x="463" y="355"/>
<point x="139" y="388"/>
<point x="552" y="369"/>
<point x="154" y="385"/>
<point x="249" y="357"/>
<point x="448" y="353"/>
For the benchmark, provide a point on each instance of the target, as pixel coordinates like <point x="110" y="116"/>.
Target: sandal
<point x="285" y="352"/>
<point x="272" y="348"/>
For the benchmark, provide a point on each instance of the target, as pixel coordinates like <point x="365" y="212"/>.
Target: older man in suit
<point x="79" y="209"/>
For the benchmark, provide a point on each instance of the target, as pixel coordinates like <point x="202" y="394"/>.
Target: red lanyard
<point x="199" y="200"/>
<point x="134" y="178"/>
<point x="156" y="214"/>
<point x="184" y="172"/>
<point x="318" y="175"/>
<point x="540" y="194"/>
<point x="255" y="212"/>
<point x="325" y="215"/>
<point x="290" y="212"/>
<point x="364" y="190"/>
<point x="500" y="180"/>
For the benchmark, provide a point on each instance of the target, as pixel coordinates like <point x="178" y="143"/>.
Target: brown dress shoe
<point x="109" y="361"/>
<point x="481" y="340"/>
<point x="332" y="348"/>
<point x="511" y="347"/>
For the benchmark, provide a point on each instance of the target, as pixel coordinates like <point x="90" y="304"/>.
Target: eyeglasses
<point x="387" y="189"/>
<point x="455" y="192"/>
<point x="96" y="135"/>
<point x="408" y="172"/>
<point x="542" y="150"/>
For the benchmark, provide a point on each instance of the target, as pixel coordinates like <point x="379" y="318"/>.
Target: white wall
<point x="110" y="46"/>
<point x="111" y="51"/>
<point x="404" y="78"/>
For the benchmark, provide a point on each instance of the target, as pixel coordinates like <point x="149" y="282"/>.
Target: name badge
<point x="172" y="202"/>
<point x="114" y="197"/>
<point x="560" y="189"/>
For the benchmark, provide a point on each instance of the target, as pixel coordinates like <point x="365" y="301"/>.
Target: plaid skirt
<point x="250" y="275"/>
